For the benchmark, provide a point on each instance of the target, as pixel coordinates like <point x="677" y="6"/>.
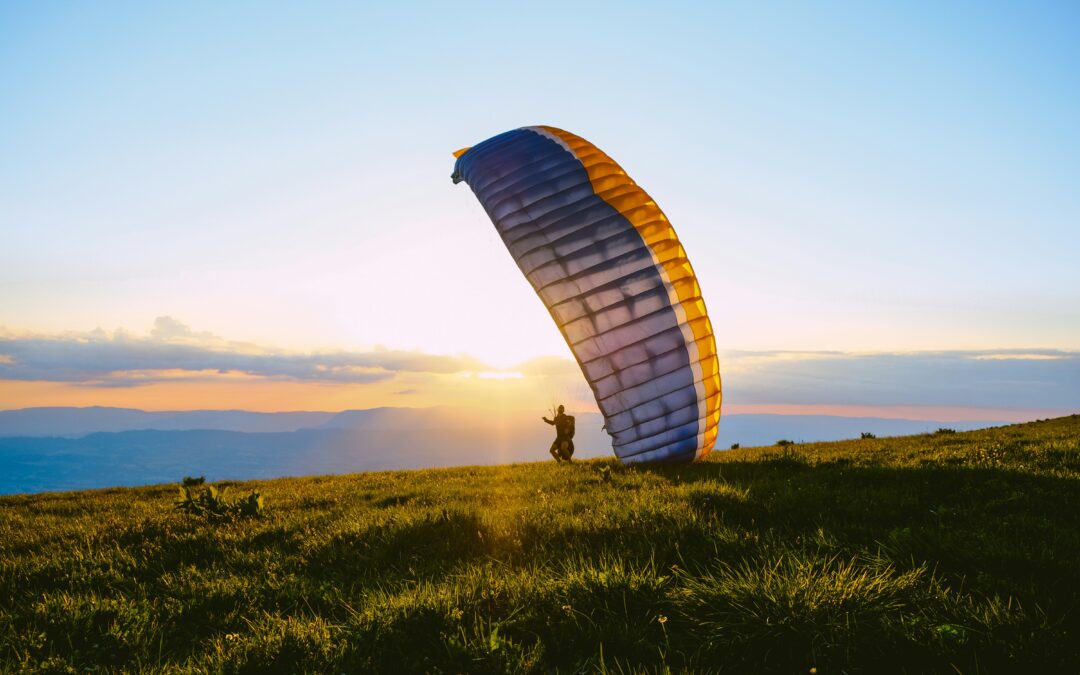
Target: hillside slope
<point x="40" y="450"/>
<point x="945" y="552"/>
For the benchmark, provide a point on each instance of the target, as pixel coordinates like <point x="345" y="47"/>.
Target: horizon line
<point x="895" y="412"/>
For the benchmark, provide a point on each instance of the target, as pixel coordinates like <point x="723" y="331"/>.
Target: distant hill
<point x="757" y="429"/>
<point x="76" y="422"/>
<point x="939" y="553"/>
<point x="133" y="447"/>
<point x="371" y="443"/>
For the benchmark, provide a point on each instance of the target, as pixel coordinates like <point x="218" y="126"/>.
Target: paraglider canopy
<point x="608" y="266"/>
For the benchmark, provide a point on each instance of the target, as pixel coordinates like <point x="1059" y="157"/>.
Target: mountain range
<point x="45" y="449"/>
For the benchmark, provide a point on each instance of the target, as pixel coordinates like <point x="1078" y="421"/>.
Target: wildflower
<point x="662" y="619"/>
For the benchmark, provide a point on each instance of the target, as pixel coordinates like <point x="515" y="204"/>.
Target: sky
<point x="864" y="191"/>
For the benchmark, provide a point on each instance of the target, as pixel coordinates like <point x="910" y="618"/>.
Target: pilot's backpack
<point x="566" y="426"/>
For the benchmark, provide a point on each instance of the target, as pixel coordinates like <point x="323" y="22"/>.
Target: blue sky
<point x="845" y="177"/>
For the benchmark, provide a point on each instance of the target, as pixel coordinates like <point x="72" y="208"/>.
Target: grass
<point x="948" y="552"/>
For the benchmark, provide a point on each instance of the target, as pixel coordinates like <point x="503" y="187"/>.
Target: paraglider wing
<point x="607" y="265"/>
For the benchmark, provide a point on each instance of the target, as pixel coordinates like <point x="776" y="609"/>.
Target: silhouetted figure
<point x="563" y="447"/>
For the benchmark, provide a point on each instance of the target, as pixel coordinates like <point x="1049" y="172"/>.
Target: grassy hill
<point x="946" y="552"/>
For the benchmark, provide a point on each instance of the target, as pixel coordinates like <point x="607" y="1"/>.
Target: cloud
<point x="167" y="328"/>
<point x="173" y="351"/>
<point x="1034" y="378"/>
<point x="1027" y="356"/>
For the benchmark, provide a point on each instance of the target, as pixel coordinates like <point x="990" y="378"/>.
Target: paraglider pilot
<point x="562" y="449"/>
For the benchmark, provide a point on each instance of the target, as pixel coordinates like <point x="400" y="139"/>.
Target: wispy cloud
<point x="171" y="351"/>
<point x="1034" y="378"/>
<point x="1020" y="356"/>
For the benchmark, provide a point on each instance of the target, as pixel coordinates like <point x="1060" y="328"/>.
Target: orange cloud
<point x="239" y="391"/>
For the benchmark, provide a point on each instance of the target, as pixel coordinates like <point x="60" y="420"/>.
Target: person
<point x="562" y="449"/>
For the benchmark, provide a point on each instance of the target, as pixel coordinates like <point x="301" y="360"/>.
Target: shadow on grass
<point x="422" y="544"/>
<point x="1014" y="533"/>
